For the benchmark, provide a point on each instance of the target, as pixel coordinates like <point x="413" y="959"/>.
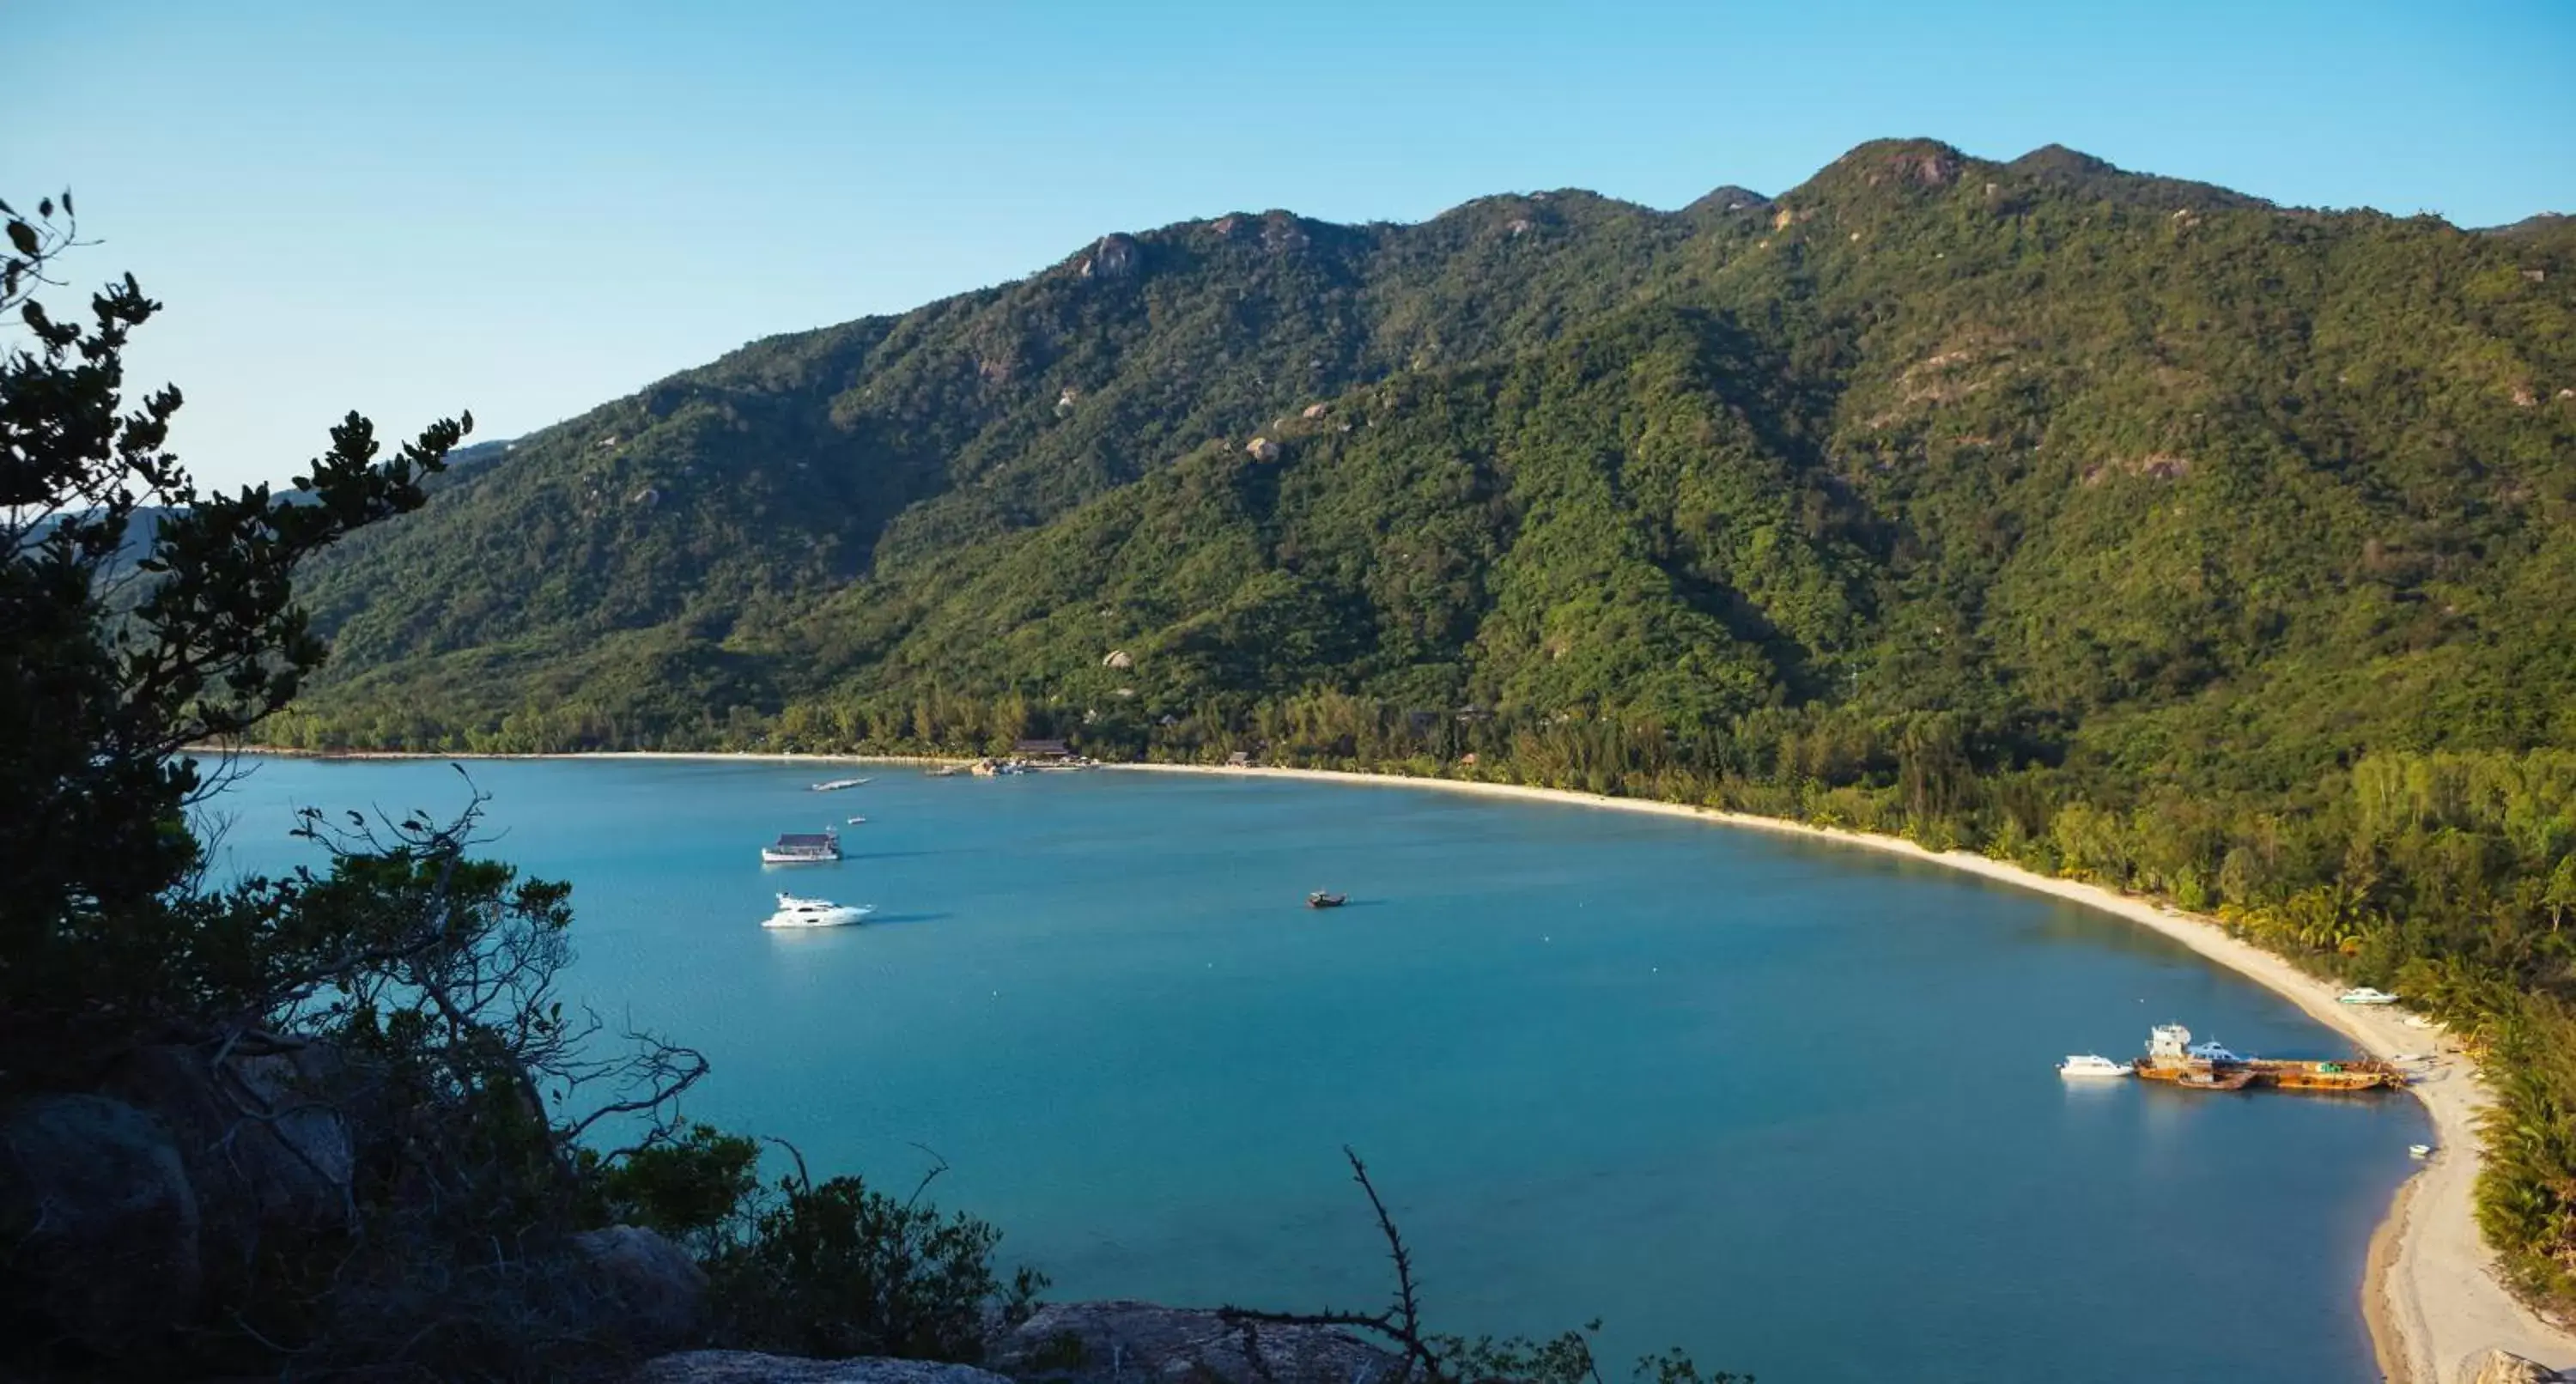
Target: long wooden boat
<point x="2173" y="1058"/>
<point x="2361" y="1074"/>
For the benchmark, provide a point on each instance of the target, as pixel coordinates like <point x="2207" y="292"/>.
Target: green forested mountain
<point x="2084" y="457"/>
<point x="2130" y="528"/>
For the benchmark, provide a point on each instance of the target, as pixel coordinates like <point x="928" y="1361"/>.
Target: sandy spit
<point x="2430" y="1290"/>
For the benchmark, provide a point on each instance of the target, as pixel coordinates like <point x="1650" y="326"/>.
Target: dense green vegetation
<point x="2124" y="527"/>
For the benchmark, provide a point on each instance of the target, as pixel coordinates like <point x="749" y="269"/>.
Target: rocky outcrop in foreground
<point x="1081" y="1343"/>
<point x="748" y="1367"/>
<point x="1124" y="1342"/>
<point x="137" y="1218"/>
<point x="106" y="1225"/>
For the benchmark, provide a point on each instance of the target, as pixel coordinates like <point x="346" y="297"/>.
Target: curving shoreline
<point x="2430" y="1294"/>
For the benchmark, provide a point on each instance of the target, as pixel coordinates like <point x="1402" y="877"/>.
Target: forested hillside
<point x="2055" y="448"/>
<point x="2128" y="527"/>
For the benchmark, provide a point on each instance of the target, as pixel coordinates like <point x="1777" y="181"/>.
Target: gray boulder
<point x="745" y="1367"/>
<point x="1125" y="1342"/>
<point x="265" y="1138"/>
<point x="102" y="1224"/>
<point x="636" y="1288"/>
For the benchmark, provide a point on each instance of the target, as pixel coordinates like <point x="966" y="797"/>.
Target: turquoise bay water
<point x="1785" y="1104"/>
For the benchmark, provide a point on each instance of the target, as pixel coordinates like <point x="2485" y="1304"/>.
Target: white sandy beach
<point x="2430" y="1291"/>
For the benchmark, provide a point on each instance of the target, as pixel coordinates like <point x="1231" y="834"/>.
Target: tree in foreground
<point x="138" y="616"/>
<point x="367" y="1133"/>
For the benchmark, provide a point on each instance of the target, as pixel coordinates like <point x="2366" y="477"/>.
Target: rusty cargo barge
<point x="2172" y="1057"/>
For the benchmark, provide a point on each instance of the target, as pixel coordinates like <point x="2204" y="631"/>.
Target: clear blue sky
<point x="528" y="208"/>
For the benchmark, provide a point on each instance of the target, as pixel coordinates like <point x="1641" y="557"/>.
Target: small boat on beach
<point x="2365" y="995"/>
<point x="836" y="785"/>
<point x="794" y="912"/>
<point x="803" y="848"/>
<point x="1320" y="899"/>
<point x="2419" y="1152"/>
<point x="2091" y="1065"/>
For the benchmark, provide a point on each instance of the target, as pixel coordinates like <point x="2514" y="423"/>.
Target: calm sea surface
<point x="1784" y="1104"/>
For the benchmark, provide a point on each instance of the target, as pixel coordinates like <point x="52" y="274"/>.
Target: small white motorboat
<point x="2419" y="1151"/>
<point x="835" y="785"/>
<point x="795" y="912"/>
<point x="2363" y="994"/>
<point x="2091" y="1064"/>
<point x="858" y="821"/>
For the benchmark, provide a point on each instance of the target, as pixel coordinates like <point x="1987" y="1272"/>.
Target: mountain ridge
<point x="719" y="508"/>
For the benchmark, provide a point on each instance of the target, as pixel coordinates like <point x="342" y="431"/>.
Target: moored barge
<point x="2172" y="1057"/>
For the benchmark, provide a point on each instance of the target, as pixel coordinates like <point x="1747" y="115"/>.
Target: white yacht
<point x="796" y="912"/>
<point x="2365" y="995"/>
<point x="2091" y="1064"/>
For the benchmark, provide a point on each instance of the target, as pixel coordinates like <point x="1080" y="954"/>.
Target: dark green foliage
<point x="827" y="1269"/>
<point x="836" y="1269"/>
<point x="111" y="660"/>
<point x="691" y="1188"/>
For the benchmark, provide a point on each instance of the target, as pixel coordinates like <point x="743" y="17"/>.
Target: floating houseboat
<point x="799" y="848"/>
<point x="2173" y="1058"/>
